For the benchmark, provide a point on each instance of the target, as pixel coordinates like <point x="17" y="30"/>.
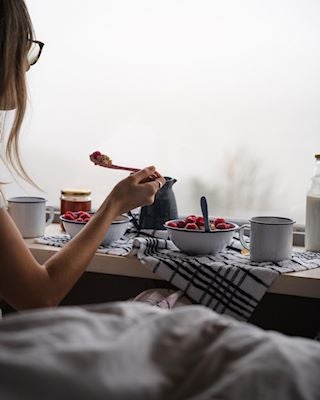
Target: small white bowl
<point x="198" y="242"/>
<point x="116" y="230"/>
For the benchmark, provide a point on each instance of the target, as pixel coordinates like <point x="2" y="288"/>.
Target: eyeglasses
<point x="34" y="51"/>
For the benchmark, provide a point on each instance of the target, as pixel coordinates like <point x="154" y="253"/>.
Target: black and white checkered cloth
<point x="227" y="282"/>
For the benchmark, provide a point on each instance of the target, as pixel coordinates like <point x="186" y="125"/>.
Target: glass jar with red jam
<point x="75" y="200"/>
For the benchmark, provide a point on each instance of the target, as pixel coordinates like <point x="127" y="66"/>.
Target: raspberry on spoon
<point x="104" y="161"/>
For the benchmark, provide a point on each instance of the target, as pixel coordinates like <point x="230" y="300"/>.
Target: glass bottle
<point x="75" y="200"/>
<point x="312" y="227"/>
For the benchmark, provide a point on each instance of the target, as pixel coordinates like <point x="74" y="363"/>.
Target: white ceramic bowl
<point x="116" y="230"/>
<point x="198" y="242"/>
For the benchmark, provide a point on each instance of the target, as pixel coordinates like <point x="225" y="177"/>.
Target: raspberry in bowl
<point x="73" y="222"/>
<point x="189" y="236"/>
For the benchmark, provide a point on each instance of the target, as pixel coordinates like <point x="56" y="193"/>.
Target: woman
<point x="24" y="283"/>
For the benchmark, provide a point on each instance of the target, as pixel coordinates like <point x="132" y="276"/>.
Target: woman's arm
<point x="24" y="283"/>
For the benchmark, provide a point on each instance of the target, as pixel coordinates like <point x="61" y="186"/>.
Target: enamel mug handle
<point x="51" y="215"/>
<point x="242" y="240"/>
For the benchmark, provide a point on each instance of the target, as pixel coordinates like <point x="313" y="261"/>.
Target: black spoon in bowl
<point x="204" y="209"/>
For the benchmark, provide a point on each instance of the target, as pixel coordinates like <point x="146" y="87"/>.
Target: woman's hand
<point x="136" y="190"/>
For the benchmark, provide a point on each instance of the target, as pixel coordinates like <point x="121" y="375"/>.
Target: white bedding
<point x="135" y="351"/>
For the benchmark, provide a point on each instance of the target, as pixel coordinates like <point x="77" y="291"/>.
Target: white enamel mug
<point x="30" y="215"/>
<point x="270" y="238"/>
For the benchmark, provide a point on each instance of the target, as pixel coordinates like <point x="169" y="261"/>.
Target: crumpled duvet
<point x="138" y="352"/>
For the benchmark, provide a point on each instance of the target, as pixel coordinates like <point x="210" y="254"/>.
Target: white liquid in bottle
<point x="312" y="228"/>
<point x="312" y="234"/>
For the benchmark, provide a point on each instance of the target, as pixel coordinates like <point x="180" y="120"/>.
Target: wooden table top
<point x="303" y="283"/>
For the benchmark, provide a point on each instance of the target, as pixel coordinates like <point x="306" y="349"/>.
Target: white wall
<point x="200" y="88"/>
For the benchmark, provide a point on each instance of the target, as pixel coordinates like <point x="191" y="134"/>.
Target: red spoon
<point x="104" y="161"/>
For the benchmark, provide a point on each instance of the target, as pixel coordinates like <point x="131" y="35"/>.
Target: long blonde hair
<point x="16" y="34"/>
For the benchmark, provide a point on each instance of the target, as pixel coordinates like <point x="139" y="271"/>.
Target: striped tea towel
<point x="227" y="282"/>
<point x="121" y="247"/>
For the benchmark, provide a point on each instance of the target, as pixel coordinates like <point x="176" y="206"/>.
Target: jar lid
<point x="317" y="156"/>
<point x="75" y="192"/>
